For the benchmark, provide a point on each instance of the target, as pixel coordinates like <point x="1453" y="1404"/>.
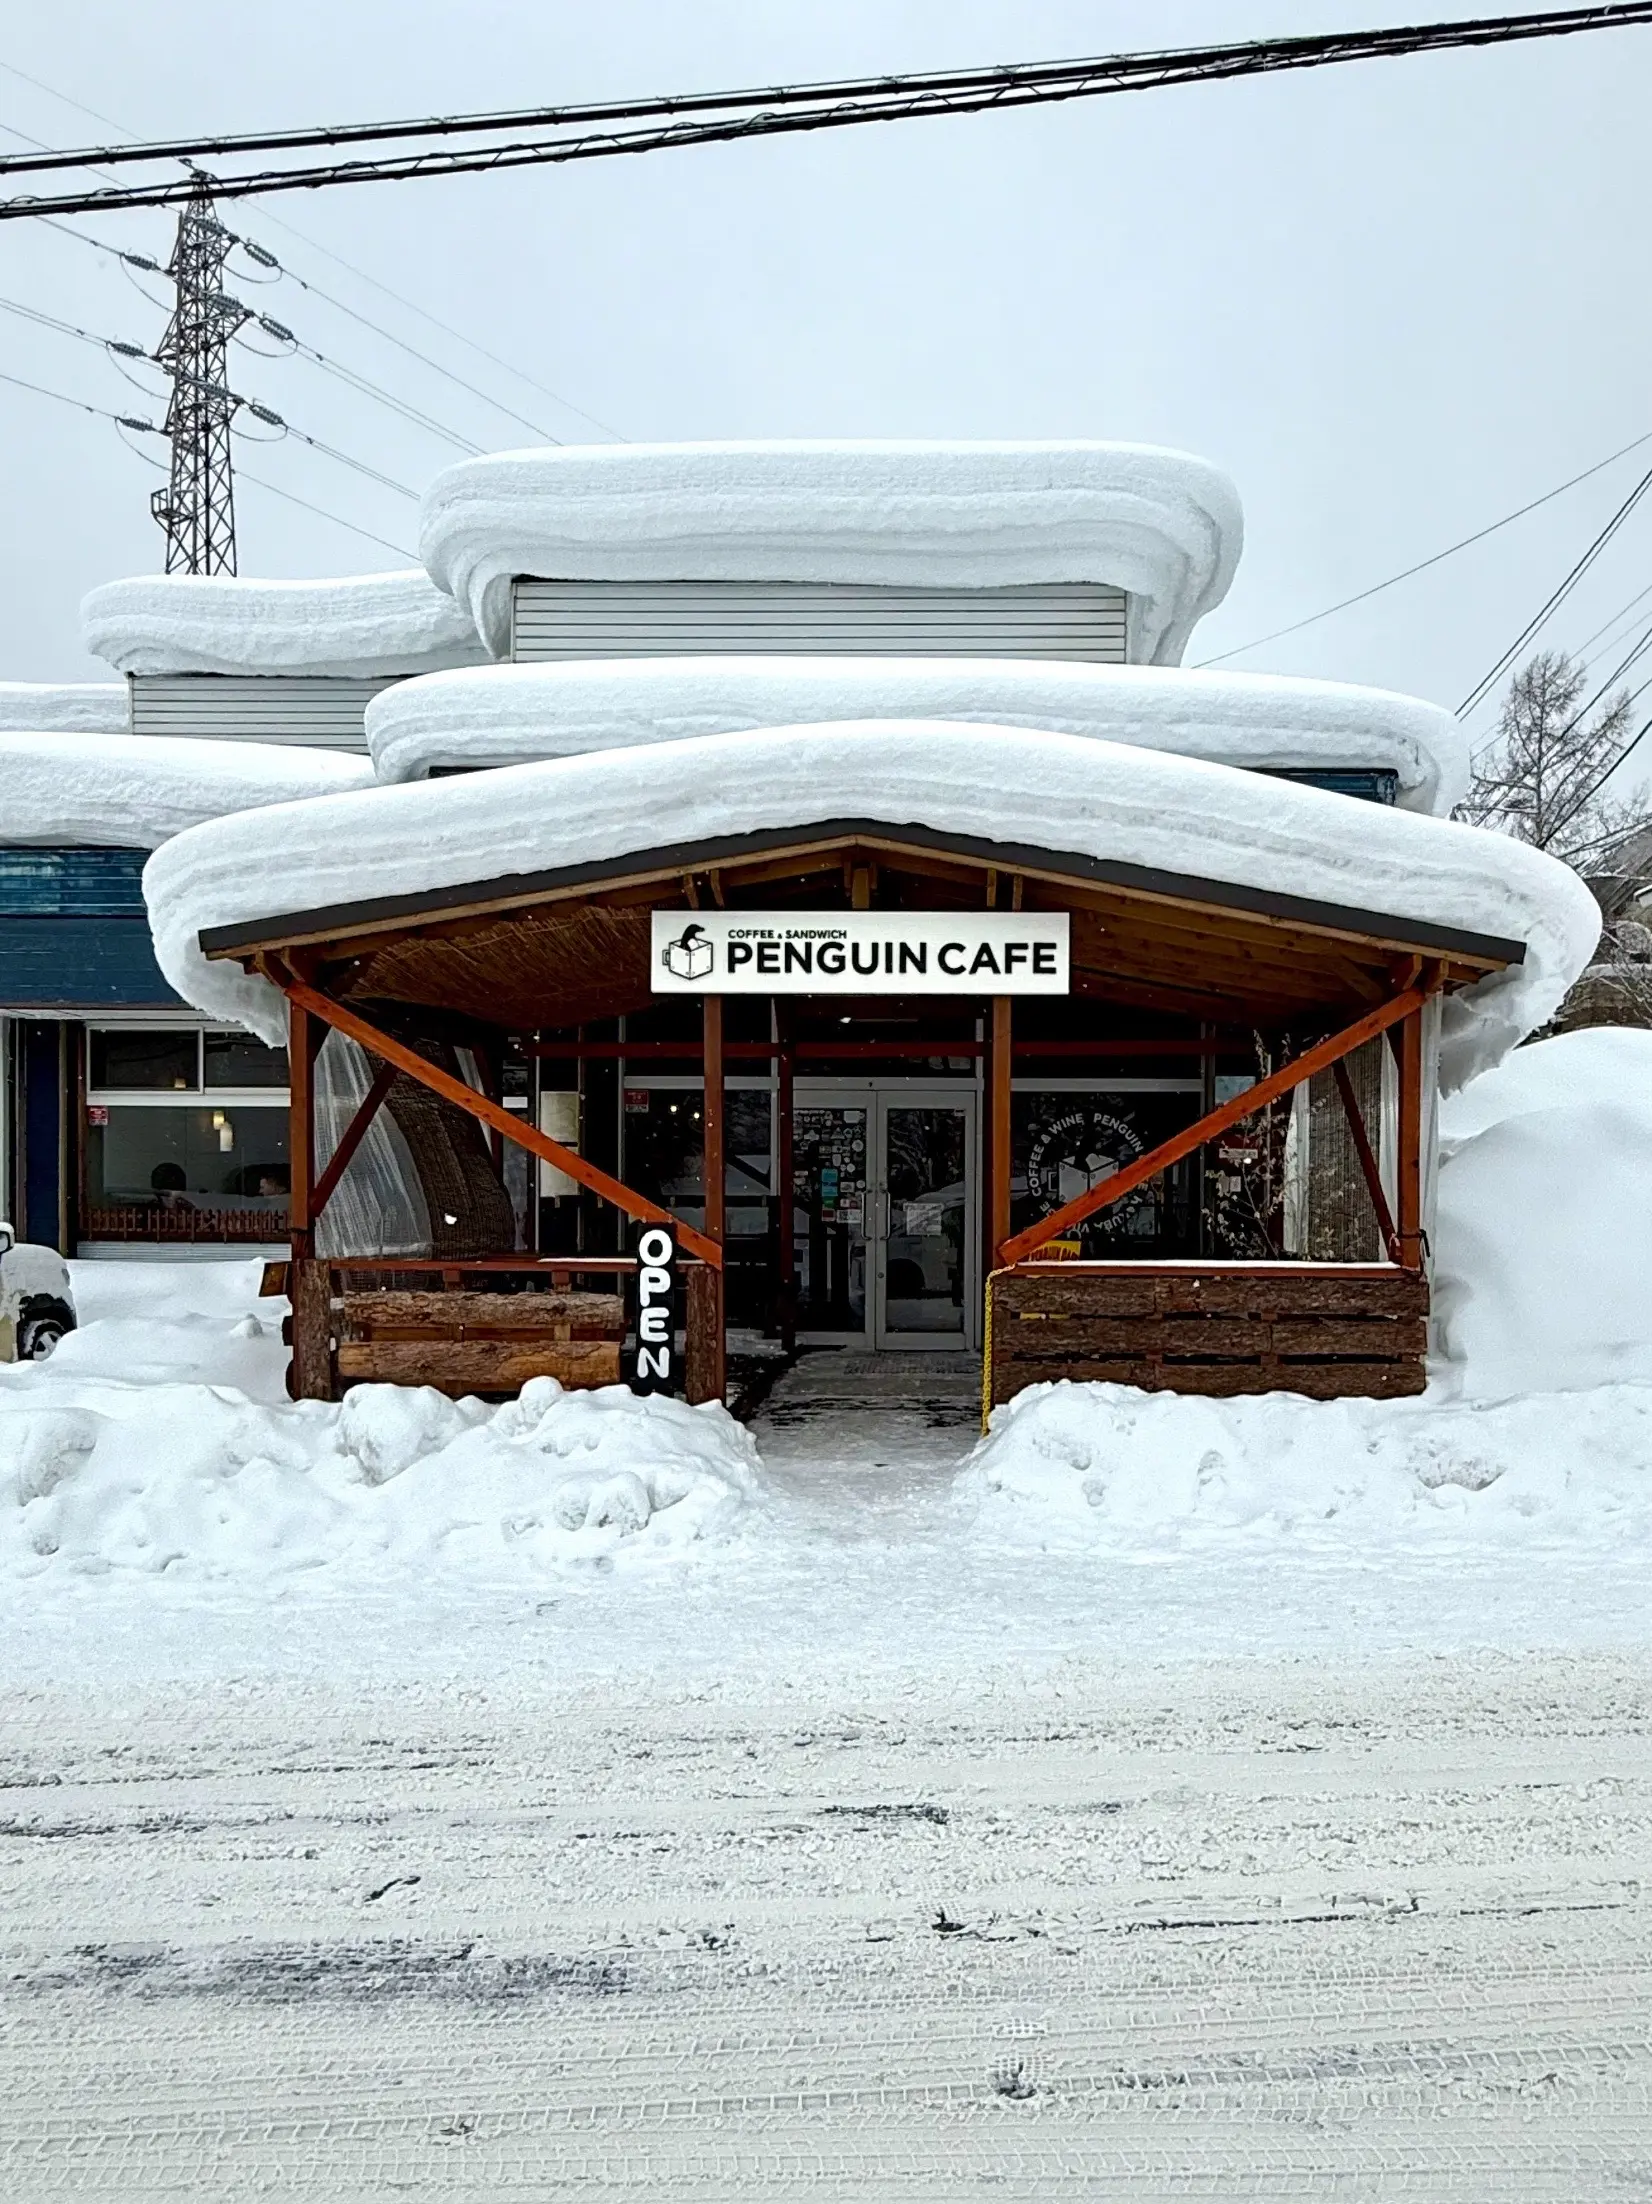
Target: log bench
<point x="478" y="1342"/>
<point x="457" y="1339"/>
<point x="1324" y="1330"/>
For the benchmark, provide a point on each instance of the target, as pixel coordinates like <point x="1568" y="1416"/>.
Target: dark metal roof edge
<point x="1006" y="856"/>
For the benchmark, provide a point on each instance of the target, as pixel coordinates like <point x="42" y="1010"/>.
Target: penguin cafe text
<point x="860" y="953"/>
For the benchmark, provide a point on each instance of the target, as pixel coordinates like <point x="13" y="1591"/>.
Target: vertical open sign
<point x="654" y="1366"/>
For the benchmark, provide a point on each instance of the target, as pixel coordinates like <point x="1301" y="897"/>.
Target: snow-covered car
<point x="37" y="1305"/>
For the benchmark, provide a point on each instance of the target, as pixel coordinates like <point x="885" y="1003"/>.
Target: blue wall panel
<point x="80" y="964"/>
<point x="74" y="934"/>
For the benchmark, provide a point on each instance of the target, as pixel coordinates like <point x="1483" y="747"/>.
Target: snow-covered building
<point x="696" y="771"/>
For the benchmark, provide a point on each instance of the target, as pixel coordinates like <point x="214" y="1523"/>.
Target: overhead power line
<point x="82" y="405"/>
<point x="1072" y="78"/>
<point x="774" y="110"/>
<point x="1494" y="673"/>
<point x="1450" y="552"/>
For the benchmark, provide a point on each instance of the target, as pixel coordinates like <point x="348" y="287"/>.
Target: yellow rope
<point x="986" y="1349"/>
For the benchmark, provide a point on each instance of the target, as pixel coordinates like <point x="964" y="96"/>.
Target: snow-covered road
<point x="906" y="1836"/>
<point x="1235" y="1930"/>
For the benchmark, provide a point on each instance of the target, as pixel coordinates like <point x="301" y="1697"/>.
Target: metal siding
<point x="89" y="883"/>
<point x="1372" y="784"/>
<point x="323" y="712"/>
<point x="80" y="964"/>
<point x="1070" y="620"/>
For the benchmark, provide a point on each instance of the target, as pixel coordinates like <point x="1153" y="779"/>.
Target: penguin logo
<point x="691" y="955"/>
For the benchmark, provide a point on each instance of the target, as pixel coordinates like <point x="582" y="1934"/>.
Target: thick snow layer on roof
<point x="64" y="707"/>
<point x="1013" y="785"/>
<point x="504" y="715"/>
<point x="135" y="791"/>
<point x="1160" y="524"/>
<point x="361" y="624"/>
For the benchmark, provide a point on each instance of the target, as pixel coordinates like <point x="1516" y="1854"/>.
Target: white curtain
<point x="378" y="1207"/>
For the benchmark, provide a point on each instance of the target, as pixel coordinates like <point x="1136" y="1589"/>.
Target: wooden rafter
<point x="1402" y="1007"/>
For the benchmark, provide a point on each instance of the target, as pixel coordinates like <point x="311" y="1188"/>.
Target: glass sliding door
<point x="832" y="1193"/>
<point x="925" y="1259"/>
<point x="884" y="1214"/>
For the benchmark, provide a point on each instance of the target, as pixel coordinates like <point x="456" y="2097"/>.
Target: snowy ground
<point x="895" y="1835"/>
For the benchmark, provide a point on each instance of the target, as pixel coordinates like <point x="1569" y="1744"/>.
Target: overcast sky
<point x="1387" y="298"/>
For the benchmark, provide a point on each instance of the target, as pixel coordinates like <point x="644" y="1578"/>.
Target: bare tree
<point x="1545" y="777"/>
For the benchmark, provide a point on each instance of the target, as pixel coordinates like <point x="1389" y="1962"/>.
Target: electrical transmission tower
<point x="197" y="507"/>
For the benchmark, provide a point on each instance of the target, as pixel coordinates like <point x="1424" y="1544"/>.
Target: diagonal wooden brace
<point x="1316" y="1059"/>
<point x="1367" y="1160"/>
<point x="354" y="1134"/>
<point x="495" y="1116"/>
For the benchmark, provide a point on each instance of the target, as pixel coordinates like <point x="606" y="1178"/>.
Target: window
<point x="176" y="1161"/>
<point x="185" y="1136"/>
<point x="237" y="1060"/>
<point x="142" y="1059"/>
<point x="150" y="1057"/>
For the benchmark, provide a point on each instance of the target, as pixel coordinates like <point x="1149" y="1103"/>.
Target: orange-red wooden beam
<point x="496" y="1117"/>
<point x="1318" y="1058"/>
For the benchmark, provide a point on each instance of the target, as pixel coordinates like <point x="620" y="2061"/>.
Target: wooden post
<point x="999" y="1059"/>
<point x="715" y="1176"/>
<point x="703" y="1374"/>
<point x="783" y="1171"/>
<point x="304" y="1038"/>
<point x="310" y="1372"/>
<point x="1410" y="1159"/>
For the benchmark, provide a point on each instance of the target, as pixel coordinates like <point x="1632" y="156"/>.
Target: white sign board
<point x="860" y="953"/>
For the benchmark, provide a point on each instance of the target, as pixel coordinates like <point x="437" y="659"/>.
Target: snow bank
<point x="1545" y="1219"/>
<point x="65" y="707"/>
<point x="502" y="715"/>
<point x="363" y="624"/>
<point x="1016" y="785"/>
<point x="1163" y="526"/>
<point x="135" y="791"/>
<point x="141" y="1475"/>
<point x="1108" y="1466"/>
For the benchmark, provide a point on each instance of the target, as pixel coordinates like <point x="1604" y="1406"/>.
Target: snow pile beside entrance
<point x="359" y="625"/>
<point x="1013" y="786"/>
<point x="100" y="1475"/>
<point x="136" y="791"/>
<point x="503" y="715"/>
<point x="1110" y="1466"/>
<point x="1545" y="1219"/>
<point x="65" y="707"/>
<point x="1159" y="524"/>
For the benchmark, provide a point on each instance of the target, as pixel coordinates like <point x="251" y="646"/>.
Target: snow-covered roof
<point x="503" y="715"/>
<point x="361" y="625"/>
<point x="1162" y="525"/>
<point x="1005" y="785"/>
<point x="134" y="791"/>
<point x="64" y="707"/>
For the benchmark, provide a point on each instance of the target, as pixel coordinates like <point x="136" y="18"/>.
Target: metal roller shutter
<point x="318" y="711"/>
<point x="1070" y="620"/>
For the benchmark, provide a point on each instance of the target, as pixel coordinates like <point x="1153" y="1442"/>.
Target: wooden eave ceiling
<point x="561" y="951"/>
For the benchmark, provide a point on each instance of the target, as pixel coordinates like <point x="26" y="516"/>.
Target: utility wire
<point x="1422" y="566"/>
<point x="400" y="549"/>
<point x="785" y="110"/>
<point x="870" y="98"/>
<point x="250" y="246"/>
<point x="125" y="420"/>
<point x="279" y="330"/>
<point x="411" y="350"/>
<point x="148" y="428"/>
<point x="1489" y="680"/>
<point x="259" y="411"/>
